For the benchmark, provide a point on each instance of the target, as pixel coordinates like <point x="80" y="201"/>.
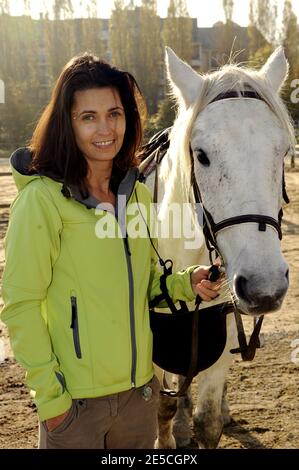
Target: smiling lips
<point x="103" y="144"/>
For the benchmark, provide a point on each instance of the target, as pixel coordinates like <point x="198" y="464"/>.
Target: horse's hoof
<point x="170" y="444"/>
<point x="182" y="433"/>
<point x="226" y="419"/>
<point x="182" y="443"/>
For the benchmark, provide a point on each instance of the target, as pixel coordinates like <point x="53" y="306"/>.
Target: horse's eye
<point x="202" y="157"/>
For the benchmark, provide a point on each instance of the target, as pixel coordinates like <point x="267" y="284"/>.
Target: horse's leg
<point x="225" y="407"/>
<point x="208" y="418"/>
<point x="167" y="410"/>
<point x="181" y="423"/>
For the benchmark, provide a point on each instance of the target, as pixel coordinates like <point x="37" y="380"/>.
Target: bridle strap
<point x="261" y="220"/>
<point x="237" y="94"/>
<point x="247" y="350"/>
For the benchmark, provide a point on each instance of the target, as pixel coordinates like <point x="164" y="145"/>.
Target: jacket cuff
<point x="55" y="407"/>
<point x="182" y="287"/>
<point x="188" y="284"/>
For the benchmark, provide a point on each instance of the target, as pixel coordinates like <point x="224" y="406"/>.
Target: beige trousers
<point x="126" y="420"/>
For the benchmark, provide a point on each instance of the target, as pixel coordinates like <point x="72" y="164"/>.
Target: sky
<point x="207" y="12"/>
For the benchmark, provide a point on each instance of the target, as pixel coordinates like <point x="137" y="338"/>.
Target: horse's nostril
<point x="241" y="287"/>
<point x="287" y="274"/>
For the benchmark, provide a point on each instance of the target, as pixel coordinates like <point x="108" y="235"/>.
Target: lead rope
<point x="167" y="270"/>
<point x="214" y="274"/>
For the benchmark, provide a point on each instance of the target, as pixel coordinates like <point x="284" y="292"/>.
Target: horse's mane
<point x="176" y="169"/>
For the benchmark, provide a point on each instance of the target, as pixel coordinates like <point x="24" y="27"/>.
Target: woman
<point x="76" y="300"/>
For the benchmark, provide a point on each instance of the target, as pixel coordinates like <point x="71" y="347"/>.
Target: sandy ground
<point x="263" y="395"/>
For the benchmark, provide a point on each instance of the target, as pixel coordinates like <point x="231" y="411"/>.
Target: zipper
<point x="131" y="296"/>
<point x="132" y="312"/>
<point x="75" y="327"/>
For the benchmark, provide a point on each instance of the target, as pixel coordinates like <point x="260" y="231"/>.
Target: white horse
<point x="235" y="127"/>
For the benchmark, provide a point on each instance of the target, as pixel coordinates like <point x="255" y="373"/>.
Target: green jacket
<point x="76" y="305"/>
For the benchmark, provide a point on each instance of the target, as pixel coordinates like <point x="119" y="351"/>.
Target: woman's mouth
<point x="102" y="144"/>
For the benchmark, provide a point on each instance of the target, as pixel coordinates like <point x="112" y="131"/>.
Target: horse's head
<point x="238" y="143"/>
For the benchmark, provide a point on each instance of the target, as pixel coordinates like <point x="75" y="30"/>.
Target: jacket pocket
<point x="75" y="327"/>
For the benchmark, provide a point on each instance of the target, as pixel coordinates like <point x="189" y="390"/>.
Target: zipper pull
<point x="74" y="311"/>
<point x="127" y="245"/>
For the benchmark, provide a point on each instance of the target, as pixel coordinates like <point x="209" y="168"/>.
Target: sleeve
<point x="178" y="284"/>
<point x="32" y="245"/>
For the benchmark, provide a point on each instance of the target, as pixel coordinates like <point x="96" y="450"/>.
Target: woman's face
<point x="99" y="123"/>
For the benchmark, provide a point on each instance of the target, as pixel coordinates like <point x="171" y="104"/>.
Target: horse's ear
<point x="276" y="69"/>
<point x="185" y="82"/>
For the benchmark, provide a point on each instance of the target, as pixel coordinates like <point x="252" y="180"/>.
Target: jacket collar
<point x="125" y="190"/>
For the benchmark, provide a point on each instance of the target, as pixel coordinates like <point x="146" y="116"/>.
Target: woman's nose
<point x="104" y="127"/>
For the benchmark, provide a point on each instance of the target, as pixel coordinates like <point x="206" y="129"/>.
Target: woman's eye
<point x="88" y="117"/>
<point x="114" y="114"/>
<point x="202" y="157"/>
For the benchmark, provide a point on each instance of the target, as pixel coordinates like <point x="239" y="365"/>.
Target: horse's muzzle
<point x="253" y="299"/>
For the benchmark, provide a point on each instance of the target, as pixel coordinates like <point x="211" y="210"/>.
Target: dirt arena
<point x="263" y="395"/>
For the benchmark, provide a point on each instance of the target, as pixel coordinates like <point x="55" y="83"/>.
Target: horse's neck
<point x="183" y="251"/>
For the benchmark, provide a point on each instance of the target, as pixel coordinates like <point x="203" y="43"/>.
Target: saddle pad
<point x="172" y="335"/>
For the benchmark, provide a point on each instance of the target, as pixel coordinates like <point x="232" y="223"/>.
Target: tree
<point x="62" y="9"/>
<point x="257" y="42"/>
<point x="120" y="39"/>
<point x="162" y="119"/>
<point x="177" y="29"/>
<point x="230" y="37"/>
<point x="290" y="42"/>
<point x="4" y="7"/>
<point x="228" y="6"/>
<point x="27" y="7"/>
<point x="149" y="53"/>
<point x="135" y="45"/>
<point x="18" y="52"/>
<point x="91" y="29"/>
<point x="263" y="16"/>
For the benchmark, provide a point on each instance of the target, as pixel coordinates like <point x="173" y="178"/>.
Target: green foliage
<point x="263" y="24"/>
<point x="18" y="50"/>
<point x="257" y="42"/>
<point x="33" y="52"/>
<point x="136" y="47"/>
<point x="228" y="6"/>
<point x="291" y="47"/>
<point x="162" y="119"/>
<point x="177" y="29"/>
<point x="32" y="55"/>
<point x="263" y="14"/>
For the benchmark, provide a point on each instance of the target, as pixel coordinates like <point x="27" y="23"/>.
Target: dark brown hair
<point x="53" y="146"/>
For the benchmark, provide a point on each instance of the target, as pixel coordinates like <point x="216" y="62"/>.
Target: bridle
<point x="210" y="228"/>
<point x="158" y="148"/>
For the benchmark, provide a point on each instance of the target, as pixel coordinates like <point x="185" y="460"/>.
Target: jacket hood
<point x="19" y="162"/>
<point x="21" y="159"/>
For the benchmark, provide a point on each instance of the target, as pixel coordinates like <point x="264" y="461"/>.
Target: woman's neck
<point x="98" y="178"/>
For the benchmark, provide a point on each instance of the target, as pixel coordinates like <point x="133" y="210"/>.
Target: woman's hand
<point x="206" y="289"/>
<point x="53" y="423"/>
